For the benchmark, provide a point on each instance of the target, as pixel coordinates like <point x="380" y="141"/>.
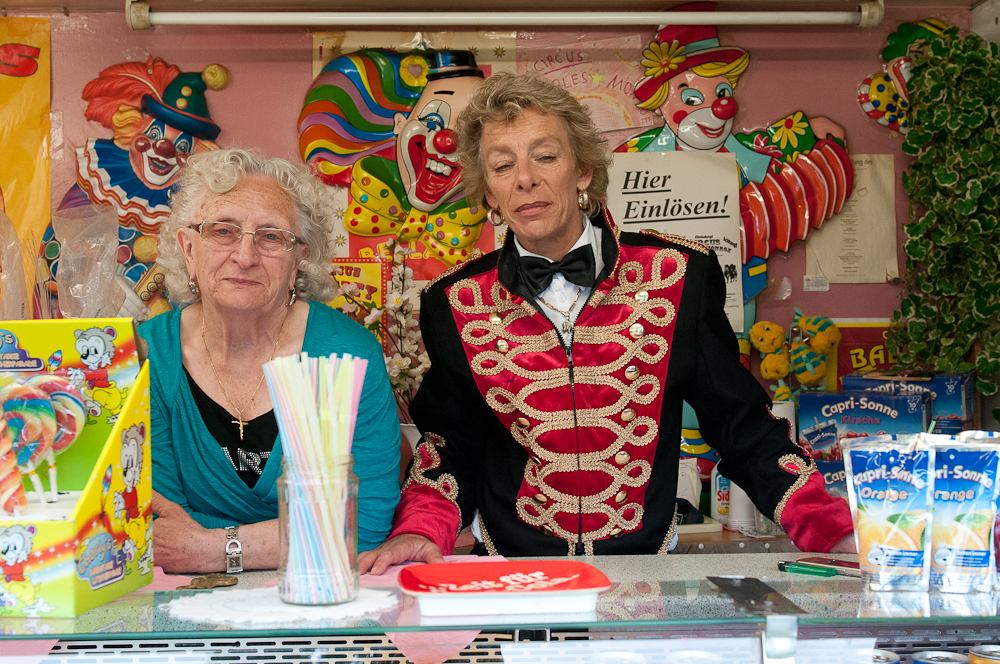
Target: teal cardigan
<point x="190" y="468"/>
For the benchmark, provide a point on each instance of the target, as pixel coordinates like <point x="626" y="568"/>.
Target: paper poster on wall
<point x="858" y="245"/>
<point x="364" y="126"/>
<point x="24" y="127"/>
<point x="691" y="194"/>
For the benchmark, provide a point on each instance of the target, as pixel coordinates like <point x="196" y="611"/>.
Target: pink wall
<point x="814" y="69"/>
<point x="819" y="70"/>
<point x="271" y="70"/>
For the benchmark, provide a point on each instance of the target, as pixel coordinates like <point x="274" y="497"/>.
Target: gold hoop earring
<point x="293" y="298"/>
<point x="193" y="286"/>
<point x="583" y="199"/>
<point x="492" y="215"/>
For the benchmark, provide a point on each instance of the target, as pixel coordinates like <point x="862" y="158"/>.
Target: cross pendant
<point x="241" y="423"/>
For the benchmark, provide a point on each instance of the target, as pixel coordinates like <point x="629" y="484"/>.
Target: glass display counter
<point x="656" y="606"/>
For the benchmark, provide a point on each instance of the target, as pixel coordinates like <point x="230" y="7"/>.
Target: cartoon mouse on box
<point x="97" y="351"/>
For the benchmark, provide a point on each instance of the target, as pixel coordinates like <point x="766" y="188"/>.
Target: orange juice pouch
<point x="965" y="507"/>
<point x="987" y="437"/>
<point x="889" y="484"/>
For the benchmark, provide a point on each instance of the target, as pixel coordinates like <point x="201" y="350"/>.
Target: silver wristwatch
<point x="234" y="551"/>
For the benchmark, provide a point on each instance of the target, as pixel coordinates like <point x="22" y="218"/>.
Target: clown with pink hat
<point x="792" y="177"/>
<point x="689" y="81"/>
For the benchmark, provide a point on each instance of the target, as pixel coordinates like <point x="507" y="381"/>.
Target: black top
<point x="249" y="455"/>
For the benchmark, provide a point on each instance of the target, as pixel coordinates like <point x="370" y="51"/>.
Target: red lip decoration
<point x="712" y="133"/>
<point x="159" y="167"/>
<point x="431" y="186"/>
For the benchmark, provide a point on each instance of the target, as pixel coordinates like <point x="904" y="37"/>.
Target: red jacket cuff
<point x="422" y="510"/>
<point x="815" y="520"/>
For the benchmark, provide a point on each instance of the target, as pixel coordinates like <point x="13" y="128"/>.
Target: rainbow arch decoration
<point x="350" y="110"/>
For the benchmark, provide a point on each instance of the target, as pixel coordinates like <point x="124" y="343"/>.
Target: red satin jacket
<point x="575" y="450"/>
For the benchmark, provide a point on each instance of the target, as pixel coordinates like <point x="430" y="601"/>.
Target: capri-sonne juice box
<point x="965" y="507"/>
<point x="890" y="483"/>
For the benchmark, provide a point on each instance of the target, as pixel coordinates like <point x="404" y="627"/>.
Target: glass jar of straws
<point x="318" y="532"/>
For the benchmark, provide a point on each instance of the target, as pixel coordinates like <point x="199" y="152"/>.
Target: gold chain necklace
<point x="239" y="411"/>
<point x="567" y="326"/>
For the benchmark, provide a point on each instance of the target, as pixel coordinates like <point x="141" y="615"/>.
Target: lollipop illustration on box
<point x="43" y="415"/>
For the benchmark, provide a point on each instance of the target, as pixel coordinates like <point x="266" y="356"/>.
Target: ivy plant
<point x="949" y="315"/>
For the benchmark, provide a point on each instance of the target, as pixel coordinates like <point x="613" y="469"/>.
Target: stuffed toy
<point x="822" y="332"/>
<point x="767" y="337"/>
<point x="775" y="366"/>
<point x="809" y="366"/>
<point x="782" y="392"/>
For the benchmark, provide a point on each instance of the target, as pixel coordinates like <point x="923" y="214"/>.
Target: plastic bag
<point x="88" y="258"/>
<point x="12" y="283"/>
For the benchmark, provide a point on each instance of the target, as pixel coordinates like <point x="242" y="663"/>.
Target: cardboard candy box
<point x="93" y="544"/>
<point x="826" y="418"/>
<point x="834" y="477"/>
<point x="953" y="404"/>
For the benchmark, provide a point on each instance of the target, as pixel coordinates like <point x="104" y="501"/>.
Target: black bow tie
<point x="577" y="266"/>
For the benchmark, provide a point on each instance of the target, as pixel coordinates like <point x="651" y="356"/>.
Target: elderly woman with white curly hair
<point x="248" y="247"/>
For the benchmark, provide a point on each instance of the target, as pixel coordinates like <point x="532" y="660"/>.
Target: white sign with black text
<point x="692" y="194"/>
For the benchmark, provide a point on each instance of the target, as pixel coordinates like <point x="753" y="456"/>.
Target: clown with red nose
<point x="159" y="117"/>
<point x="420" y="196"/>
<point x="689" y="82"/>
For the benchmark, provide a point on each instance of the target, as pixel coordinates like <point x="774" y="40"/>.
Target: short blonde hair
<point x="503" y="98"/>
<point x="731" y="70"/>
<point x="220" y="171"/>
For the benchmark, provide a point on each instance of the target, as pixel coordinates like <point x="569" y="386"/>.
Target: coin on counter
<point x="215" y="580"/>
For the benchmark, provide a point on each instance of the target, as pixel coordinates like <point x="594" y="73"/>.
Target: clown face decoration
<point x="699" y="110"/>
<point x="425" y="147"/>
<point x="158" y="152"/>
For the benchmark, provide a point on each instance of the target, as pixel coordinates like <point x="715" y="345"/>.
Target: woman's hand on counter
<point x="182" y="545"/>
<point x="846" y="545"/>
<point x="399" y="549"/>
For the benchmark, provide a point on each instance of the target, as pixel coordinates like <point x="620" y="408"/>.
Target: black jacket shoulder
<point x="477" y="263"/>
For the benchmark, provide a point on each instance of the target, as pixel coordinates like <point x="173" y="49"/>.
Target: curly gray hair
<point x="220" y="171"/>
<point x="503" y="98"/>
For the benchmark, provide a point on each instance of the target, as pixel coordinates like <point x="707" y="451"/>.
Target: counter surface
<point x="647" y="592"/>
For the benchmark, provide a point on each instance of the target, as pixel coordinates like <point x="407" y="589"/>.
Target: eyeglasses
<point x="225" y="234"/>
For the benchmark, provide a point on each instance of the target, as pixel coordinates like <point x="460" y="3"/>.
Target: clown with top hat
<point x="159" y="116"/>
<point x="397" y="150"/>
